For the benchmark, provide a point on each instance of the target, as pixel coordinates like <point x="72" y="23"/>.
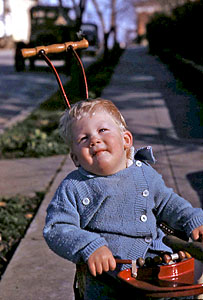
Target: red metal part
<point x="175" y="280"/>
<point x="48" y="61"/>
<point x="82" y="70"/>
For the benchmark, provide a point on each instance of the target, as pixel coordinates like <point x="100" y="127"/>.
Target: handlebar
<point x="55" y="48"/>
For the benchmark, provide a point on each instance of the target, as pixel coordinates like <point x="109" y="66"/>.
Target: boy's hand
<point x="101" y="260"/>
<point x="197" y="234"/>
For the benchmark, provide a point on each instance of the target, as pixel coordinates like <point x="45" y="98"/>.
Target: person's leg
<point x="106" y="287"/>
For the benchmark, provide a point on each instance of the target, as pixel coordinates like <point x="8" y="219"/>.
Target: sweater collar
<point x="86" y="173"/>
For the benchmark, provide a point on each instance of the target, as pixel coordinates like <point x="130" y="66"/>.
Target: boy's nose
<point x="94" y="140"/>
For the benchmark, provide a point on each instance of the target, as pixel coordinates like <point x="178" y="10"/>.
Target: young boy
<point x="110" y="205"/>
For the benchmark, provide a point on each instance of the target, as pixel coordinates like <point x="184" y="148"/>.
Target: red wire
<point x="83" y="70"/>
<point x="42" y="53"/>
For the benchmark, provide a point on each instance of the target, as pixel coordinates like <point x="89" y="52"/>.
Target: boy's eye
<point x="83" y="139"/>
<point x="102" y="129"/>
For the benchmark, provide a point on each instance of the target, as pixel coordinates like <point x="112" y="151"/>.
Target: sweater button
<point x="145" y="193"/>
<point x="138" y="163"/>
<point x="148" y="239"/>
<point x="86" y="201"/>
<point x="143" y="218"/>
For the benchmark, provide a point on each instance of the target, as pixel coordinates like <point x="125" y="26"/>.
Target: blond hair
<point x="86" y="108"/>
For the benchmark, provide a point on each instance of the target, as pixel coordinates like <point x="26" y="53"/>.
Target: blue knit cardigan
<point x="120" y="211"/>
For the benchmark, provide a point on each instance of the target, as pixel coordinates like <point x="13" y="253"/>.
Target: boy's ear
<point x="74" y="159"/>
<point x="128" y="139"/>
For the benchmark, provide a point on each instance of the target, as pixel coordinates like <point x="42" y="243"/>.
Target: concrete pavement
<point x="22" y="92"/>
<point x="140" y="87"/>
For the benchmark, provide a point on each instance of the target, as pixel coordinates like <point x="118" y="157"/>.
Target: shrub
<point x="179" y="33"/>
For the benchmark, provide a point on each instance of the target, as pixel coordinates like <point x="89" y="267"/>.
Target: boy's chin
<point x="105" y="172"/>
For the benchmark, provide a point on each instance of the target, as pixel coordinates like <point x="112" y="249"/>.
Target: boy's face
<point x="99" y="145"/>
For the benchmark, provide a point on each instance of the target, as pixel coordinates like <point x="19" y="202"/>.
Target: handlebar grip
<point x="55" y="48"/>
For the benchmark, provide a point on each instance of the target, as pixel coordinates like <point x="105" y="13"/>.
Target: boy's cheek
<point x="75" y="159"/>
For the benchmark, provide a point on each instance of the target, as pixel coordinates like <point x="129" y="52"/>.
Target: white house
<point x="15" y="22"/>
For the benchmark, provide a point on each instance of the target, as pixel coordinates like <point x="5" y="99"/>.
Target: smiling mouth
<point x="98" y="152"/>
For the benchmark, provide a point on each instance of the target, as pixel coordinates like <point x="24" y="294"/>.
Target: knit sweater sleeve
<point x="173" y="209"/>
<point x="62" y="230"/>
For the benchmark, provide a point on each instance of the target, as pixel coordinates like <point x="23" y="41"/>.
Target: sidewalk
<point x="139" y="88"/>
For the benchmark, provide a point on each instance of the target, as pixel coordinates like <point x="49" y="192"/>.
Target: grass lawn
<point x="16" y="213"/>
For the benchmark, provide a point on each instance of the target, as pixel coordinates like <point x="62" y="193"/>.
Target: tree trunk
<point x="113" y="20"/>
<point x="60" y="3"/>
<point x="77" y="85"/>
<point x="113" y="28"/>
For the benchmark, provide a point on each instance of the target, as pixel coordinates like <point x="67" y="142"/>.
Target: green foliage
<point x="179" y="33"/>
<point x="160" y="33"/>
<point x="16" y="213"/>
<point x="37" y="136"/>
